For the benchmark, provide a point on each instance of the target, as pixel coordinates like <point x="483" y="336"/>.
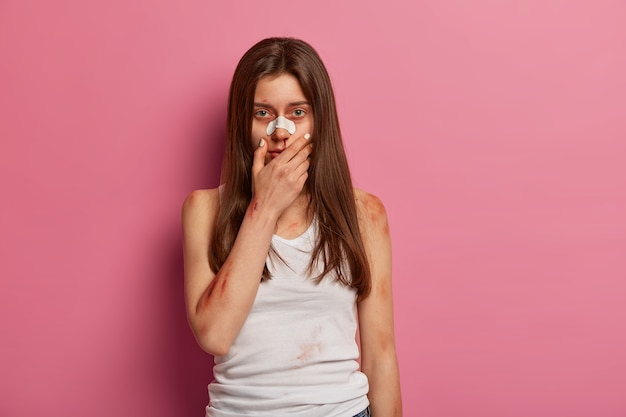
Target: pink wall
<point x="494" y="132"/>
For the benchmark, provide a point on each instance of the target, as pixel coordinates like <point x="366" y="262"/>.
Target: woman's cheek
<point x="258" y="132"/>
<point x="303" y="127"/>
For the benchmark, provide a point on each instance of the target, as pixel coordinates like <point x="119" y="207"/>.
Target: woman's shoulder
<point x="201" y="204"/>
<point x="369" y="208"/>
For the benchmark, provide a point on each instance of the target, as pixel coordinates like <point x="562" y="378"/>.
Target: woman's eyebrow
<point x="294" y="104"/>
<point x="263" y="105"/>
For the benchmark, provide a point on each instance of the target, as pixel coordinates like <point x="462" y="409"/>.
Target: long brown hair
<point x="339" y="245"/>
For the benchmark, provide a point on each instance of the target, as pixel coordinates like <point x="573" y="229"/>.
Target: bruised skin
<point x="223" y="283"/>
<point x="220" y="281"/>
<point x="294" y="227"/>
<point x="375" y="312"/>
<point x="293" y="230"/>
<point x="217" y="288"/>
<point x="253" y="207"/>
<point x="373" y="211"/>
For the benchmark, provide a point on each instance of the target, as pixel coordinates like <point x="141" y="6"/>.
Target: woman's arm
<point x="378" y="353"/>
<point x="219" y="303"/>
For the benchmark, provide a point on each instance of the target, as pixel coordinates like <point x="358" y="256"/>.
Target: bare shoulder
<point x="201" y="199"/>
<point x="201" y="206"/>
<point x="370" y="209"/>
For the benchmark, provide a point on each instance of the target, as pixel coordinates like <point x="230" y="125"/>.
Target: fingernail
<point x="307" y="136"/>
<point x="261" y="143"/>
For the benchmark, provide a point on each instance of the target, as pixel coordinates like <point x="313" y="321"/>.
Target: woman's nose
<point x="280" y="134"/>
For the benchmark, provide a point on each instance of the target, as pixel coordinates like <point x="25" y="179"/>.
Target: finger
<point x="302" y="156"/>
<point x="303" y="177"/>
<point x="258" y="161"/>
<point x="296" y="146"/>
<point x="299" y="169"/>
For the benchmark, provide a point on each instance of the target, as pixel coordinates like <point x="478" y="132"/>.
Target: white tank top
<point x="296" y="353"/>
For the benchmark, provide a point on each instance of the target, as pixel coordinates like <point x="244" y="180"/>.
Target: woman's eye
<point x="298" y="113"/>
<point x="261" y="113"/>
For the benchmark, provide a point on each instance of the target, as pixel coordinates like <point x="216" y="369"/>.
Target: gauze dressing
<point x="283" y="123"/>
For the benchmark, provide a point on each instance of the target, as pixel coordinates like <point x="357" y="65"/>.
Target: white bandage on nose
<point x="283" y="123"/>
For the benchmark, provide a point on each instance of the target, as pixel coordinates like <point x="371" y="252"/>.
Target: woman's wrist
<point x="259" y="211"/>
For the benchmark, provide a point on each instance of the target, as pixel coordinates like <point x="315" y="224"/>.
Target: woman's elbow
<point x="212" y="342"/>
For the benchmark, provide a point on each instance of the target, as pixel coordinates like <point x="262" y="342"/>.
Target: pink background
<point x="495" y="133"/>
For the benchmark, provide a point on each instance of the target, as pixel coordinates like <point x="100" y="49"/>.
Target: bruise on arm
<point x="376" y="324"/>
<point x="216" y="288"/>
<point x="373" y="215"/>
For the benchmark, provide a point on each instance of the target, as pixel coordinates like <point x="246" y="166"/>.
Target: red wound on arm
<point x="254" y="206"/>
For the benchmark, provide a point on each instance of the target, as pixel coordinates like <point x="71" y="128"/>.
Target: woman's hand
<point x="277" y="184"/>
<point x="219" y="303"/>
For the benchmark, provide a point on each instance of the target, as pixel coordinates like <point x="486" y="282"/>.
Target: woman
<point x="280" y="258"/>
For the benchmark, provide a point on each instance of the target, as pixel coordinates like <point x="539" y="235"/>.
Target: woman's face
<point x="279" y="96"/>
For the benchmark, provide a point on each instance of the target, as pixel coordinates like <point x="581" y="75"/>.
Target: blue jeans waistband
<point x="364" y="413"/>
